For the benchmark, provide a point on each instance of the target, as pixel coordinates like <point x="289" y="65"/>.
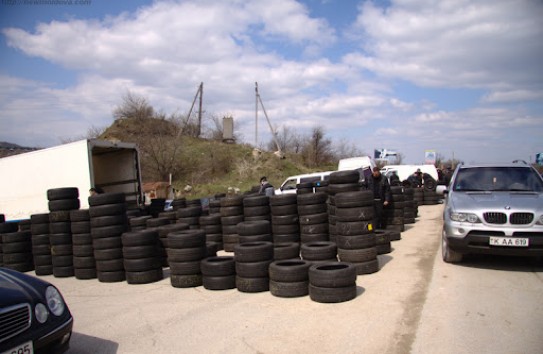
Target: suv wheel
<point x="449" y="255"/>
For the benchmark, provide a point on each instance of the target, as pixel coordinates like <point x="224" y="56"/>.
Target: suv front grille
<point x="14" y="320"/>
<point x="495" y="218"/>
<point x="521" y="218"/>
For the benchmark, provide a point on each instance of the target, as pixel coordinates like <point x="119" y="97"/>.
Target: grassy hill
<point x="209" y="166"/>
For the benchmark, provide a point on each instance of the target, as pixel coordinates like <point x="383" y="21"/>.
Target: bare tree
<point x="133" y="107"/>
<point x="318" y="149"/>
<point x="344" y="149"/>
<point x="94" y="132"/>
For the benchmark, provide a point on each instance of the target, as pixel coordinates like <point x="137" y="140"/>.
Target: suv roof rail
<point x="519" y="161"/>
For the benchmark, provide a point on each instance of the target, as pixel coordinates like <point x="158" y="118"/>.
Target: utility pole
<point x="279" y="153"/>
<point x="199" y="93"/>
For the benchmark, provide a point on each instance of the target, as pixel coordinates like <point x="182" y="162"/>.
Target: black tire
<point x="110" y="220"/>
<point x="287" y="209"/>
<point x="137" y="252"/>
<point x="41" y="250"/>
<point x="308" y="238"/>
<point x="17" y="247"/>
<point x="315" y="251"/>
<point x="253" y="269"/>
<point x="332" y="295"/>
<point x="252" y="285"/>
<point x="10" y="258"/>
<point x="186" y="281"/>
<point x="85" y="273"/>
<point x="39" y="229"/>
<point x="62" y="193"/>
<point x="107" y="243"/>
<point x="289" y="270"/>
<point x="59" y="216"/>
<point x="350" y="228"/>
<point x="84" y="262"/>
<point x="334" y="189"/>
<point x="357" y="255"/>
<point x="140" y="238"/>
<point x="107" y="254"/>
<point x="383" y="248"/>
<point x="308" y="209"/>
<point x="323" y="228"/>
<point x="283" y="199"/>
<point x="142" y="264"/>
<point x="347" y="176"/>
<point x="314" y="219"/>
<point x="111" y="265"/>
<point x="63" y="272"/>
<point x="80" y="227"/>
<point x="106" y="198"/>
<point x="213" y="219"/>
<point x="19" y="236"/>
<point x="284" y="219"/>
<point x="291" y="289"/>
<point x="355" y="213"/>
<point x="231" y="201"/>
<point x="63" y="204"/>
<point x="60" y="227"/>
<point x="219" y="283"/>
<point x="186" y="254"/>
<point x="257" y="200"/>
<point x="231" y="211"/>
<point x="44" y="270"/>
<point x="218" y="266"/>
<point x="311" y="198"/>
<point x="82" y="239"/>
<point x="186" y="239"/>
<point x="356" y="241"/>
<point x="255" y="238"/>
<point x="286" y="250"/>
<point x="253" y="251"/>
<point x="282" y="238"/>
<point x="359" y="198"/>
<point x="332" y="275"/>
<point x="144" y="277"/>
<point x="185" y="268"/>
<point x="83" y="251"/>
<point x="42" y="260"/>
<point x="79" y="215"/>
<point x="39" y="218"/>
<point x="368" y="267"/>
<point x="108" y="231"/>
<point x="248" y="228"/>
<point x="111" y="277"/>
<point x="285" y="229"/>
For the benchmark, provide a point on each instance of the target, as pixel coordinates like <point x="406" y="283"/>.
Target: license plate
<point x="25" y="348"/>
<point x="508" y="241"/>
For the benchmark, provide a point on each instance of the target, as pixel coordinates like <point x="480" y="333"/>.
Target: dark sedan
<point x="33" y="315"/>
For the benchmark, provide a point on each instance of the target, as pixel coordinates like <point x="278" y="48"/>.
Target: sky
<point x="463" y="78"/>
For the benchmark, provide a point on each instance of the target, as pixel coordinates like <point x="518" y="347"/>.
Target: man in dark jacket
<point x="381" y="195"/>
<point x="265" y="187"/>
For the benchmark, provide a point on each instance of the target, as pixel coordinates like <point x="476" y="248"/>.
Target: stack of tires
<point x="154" y="224"/>
<point x="284" y="218"/>
<point x="394" y="212"/>
<point x="6" y="228"/>
<point x="138" y="223"/>
<point x="190" y="215"/>
<point x="286" y="250"/>
<point x="318" y="252"/>
<point x="430" y="197"/>
<point x="256" y="208"/>
<point x="418" y="197"/>
<point x="108" y="223"/>
<point x="218" y="273"/>
<point x="231" y="213"/>
<point x="163" y="231"/>
<point x="313" y="217"/>
<point x="179" y="203"/>
<point x="214" y="206"/>
<point x="211" y="224"/>
<point x="355" y="238"/>
<point x="84" y="261"/>
<point x="41" y="249"/>
<point x="332" y="282"/>
<point x="186" y="249"/>
<point x="142" y="259"/>
<point x="252" y="262"/>
<point x="338" y="182"/>
<point x="17" y="251"/>
<point x="410" y="210"/>
<point x="289" y="278"/>
<point x="254" y="231"/>
<point x="321" y="186"/>
<point x="382" y="241"/>
<point x="304" y="188"/>
<point x="61" y="202"/>
<point x="170" y="215"/>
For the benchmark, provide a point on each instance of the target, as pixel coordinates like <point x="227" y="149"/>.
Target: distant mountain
<point x="8" y="149"/>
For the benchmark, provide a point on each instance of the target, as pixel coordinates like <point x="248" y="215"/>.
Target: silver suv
<point x="493" y="209"/>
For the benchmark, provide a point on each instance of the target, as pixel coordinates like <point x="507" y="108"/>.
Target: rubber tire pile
<point x="83" y="251"/>
<point x="41" y="249"/>
<point x="252" y="263"/>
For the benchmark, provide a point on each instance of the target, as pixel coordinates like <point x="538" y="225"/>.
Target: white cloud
<point x="513" y="96"/>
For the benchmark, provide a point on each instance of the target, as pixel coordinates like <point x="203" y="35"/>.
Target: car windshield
<point x="488" y="179"/>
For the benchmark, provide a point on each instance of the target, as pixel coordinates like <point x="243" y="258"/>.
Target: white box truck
<point x="363" y="164"/>
<point x="25" y="178"/>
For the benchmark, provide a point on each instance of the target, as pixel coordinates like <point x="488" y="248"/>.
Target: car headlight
<point x="464" y="217"/>
<point x="54" y="301"/>
<point x="41" y="313"/>
<point x="540" y="220"/>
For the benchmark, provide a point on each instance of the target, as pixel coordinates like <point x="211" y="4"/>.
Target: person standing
<point x="381" y="195"/>
<point x="265" y="187"/>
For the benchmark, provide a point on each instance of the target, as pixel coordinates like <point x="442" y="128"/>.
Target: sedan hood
<point x="16" y="288"/>
<point x="497" y="201"/>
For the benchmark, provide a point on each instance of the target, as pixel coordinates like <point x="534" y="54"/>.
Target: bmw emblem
<point x="507" y="207"/>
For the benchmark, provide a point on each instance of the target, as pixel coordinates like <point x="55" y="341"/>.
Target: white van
<point x="404" y="171"/>
<point x="363" y="164"/>
<point x="289" y="185"/>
